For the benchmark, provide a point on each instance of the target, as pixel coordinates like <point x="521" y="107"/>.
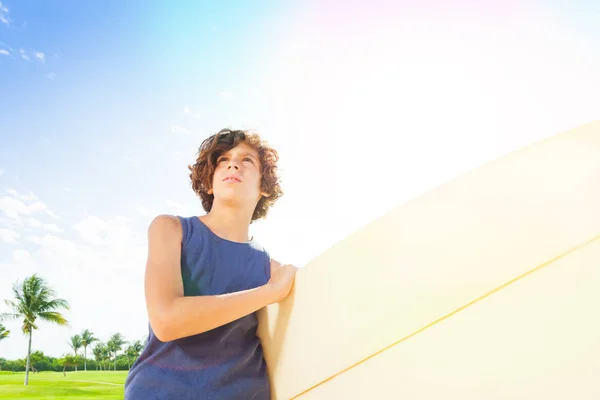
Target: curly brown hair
<point x="202" y="171"/>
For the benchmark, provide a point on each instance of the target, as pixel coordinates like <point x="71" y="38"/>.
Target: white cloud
<point x="92" y="230"/>
<point x="20" y="255"/>
<point x="52" y="214"/>
<point x="4" y="52"/>
<point x="24" y="197"/>
<point x="33" y="222"/>
<point x="146" y="212"/>
<point x="4" y="14"/>
<point x="53" y="228"/>
<point x="18" y="206"/>
<point x="99" y="232"/>
<point x="8" y="236"/>
<point x="179" y="129"/>
<point x="13" y="208"/>
<point x="227" y="96"/>
<point x="37" y="206"/>
<point x="40" y="56"/>
<point x="187" y="111"/>
<point x="24" y="56"/>
<point x="173" y="204"/>
<point x="178" y="209"/>
<point x="51" y="76"/>
<point x="74" y="268"/>
<point x="56" y="251"/>
<point x="52" y="241"/>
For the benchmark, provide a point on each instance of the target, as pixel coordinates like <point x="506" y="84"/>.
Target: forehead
<point x="243" y="148"/>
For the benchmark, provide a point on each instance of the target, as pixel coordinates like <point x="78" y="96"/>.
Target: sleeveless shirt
<point x="226" y="362"/>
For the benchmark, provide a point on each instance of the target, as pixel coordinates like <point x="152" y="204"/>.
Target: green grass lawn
<point x="54" y="386"/>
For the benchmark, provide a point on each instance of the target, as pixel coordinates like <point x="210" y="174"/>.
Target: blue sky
<point x="111" y="82"/>
<point x="103" y="105"/>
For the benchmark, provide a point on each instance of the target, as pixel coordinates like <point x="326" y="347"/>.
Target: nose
<point x="233" y="163"/>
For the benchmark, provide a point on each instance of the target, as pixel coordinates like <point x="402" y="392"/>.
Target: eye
<point x="248" y="159"/>
<point x="220" y="159"/>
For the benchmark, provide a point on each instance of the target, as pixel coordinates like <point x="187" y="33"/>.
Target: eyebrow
<point x="248" y="154"/>
<point x="245" y="154"/>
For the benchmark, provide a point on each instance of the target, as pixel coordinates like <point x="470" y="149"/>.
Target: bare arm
<point x="173" y="316"/>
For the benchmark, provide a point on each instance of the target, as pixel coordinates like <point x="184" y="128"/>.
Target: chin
<point x="231" y="199"/>
<point x="237" y="200"/>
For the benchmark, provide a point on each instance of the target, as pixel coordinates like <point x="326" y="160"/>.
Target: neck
<point x="229" y="223"/>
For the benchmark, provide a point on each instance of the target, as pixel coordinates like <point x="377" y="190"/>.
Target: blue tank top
<point x="226" y="362"/>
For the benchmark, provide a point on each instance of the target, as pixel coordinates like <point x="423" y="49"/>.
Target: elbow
<point x="162" y="333"/>
<point x="162" y="328"/>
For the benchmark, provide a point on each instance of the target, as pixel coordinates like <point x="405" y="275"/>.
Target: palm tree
<point x="105" y="357"/>
<point x="34" y="299"/>
<point x="68" y="361"/>
<point x="4" y="333"/>
<point x="75" y="344"/>
<point x="98" y="354"/>
<point x="115" y="343"/>
<point x="133" y="351"/>
<point x="87" y="338"/>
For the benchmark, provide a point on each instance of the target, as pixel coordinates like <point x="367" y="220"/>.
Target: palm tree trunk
<point x="28" y="360"/>
<point x="115" y="360"/>
<point x="85" y="358"/>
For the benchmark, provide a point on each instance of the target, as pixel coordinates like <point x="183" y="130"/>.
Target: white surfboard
<point x="485" y="287"/>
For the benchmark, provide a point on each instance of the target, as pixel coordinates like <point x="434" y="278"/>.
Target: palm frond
<point x="12" y="304"/>
<point x="53" y="305"/>
<point x="75" y="343"/>
<point x="17" y="290"/>
<point x="8" y="316"/>
<point x="88" y="337"/>
<point x="4" y="333"/>
<point x="53" y="316"/>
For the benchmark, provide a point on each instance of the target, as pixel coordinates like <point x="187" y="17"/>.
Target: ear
<point x="209" y="191"/>
<point x="264" y="194"/>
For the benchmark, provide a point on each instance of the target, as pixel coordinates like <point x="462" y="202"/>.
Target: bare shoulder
<point x="165" y="226"/>
<point x="275" y="263"/>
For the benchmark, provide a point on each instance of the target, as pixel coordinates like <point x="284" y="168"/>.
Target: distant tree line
<point x="101" y="360"/>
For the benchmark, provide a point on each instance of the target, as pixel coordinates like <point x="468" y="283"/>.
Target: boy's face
<point x="237" y="176"/>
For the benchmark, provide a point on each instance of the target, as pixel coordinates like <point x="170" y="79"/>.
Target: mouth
<point x="231" y="179"/>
